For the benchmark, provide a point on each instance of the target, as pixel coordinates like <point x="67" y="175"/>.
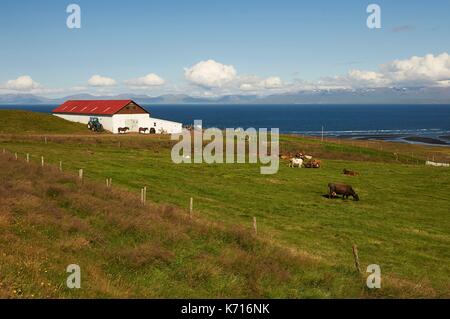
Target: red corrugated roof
<point x="92" y="107"/>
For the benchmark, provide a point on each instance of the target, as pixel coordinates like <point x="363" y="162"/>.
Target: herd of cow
<point x="302" y="160"/>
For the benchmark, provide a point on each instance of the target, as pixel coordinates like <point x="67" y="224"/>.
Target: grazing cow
<point x="143" y="130"/>
<point x="313" y="164"/>
<point x="296" y="162"/>
<point x="350" y="173"/>
<point x="123" y="129"/>
<point x="341" y="189"/>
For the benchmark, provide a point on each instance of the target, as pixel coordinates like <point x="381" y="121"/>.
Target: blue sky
<point x="259" y="46"/>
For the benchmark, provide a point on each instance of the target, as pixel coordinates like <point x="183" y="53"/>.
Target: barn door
<point x="132" y="124"/>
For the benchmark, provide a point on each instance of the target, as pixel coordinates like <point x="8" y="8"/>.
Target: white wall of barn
<point x="169" y="127"/>
<point x="133" y="121"/>
<point x="106" y="121"/>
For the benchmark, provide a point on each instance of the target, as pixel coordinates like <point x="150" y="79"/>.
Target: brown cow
<point x="341" y="189"/>
<point x="350" y="173"/>
<point x="313" y="164"/>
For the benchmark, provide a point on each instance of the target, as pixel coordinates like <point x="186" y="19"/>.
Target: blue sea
<point x="390" y="122"/>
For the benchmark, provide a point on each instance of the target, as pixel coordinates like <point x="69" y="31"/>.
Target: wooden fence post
<point x="191" y="207"/>
<point x="42" y="161"/>
<point x="356" y="257"/>
<point x="145" y="195"/>
<point x="28" y="158"/>
<point x="45" y="139"/>
<point x="255" y="227"/>
<point x="15" y="156"/>
<point x="80" y="175"/>
<point x="60" y="166"/>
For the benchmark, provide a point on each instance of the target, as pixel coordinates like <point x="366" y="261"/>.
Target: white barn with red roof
<point x="113" y="114"/>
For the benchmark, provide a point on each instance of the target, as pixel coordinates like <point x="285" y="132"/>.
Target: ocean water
<point x="391" y="122"/>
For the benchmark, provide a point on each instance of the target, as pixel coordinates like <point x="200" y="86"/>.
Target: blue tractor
<point x="94" y="125"/>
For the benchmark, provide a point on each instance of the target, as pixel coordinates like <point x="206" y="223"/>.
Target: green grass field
<point x="25" y="122"/>
<point x="401" y="222"/>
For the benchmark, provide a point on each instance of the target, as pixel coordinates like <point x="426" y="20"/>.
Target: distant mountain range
<point x="417" y="95"/>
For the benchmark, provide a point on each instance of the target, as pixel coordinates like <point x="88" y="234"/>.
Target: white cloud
<point x="223" y="79"/>
<point x="444" y="83"/>
<point x="22" y="83"/>
<point x="26" y="84"/>
<point x="97" y="80"/>
<point x="359" y="78"/>
<point x="273" y="82"/>
<point x="428" y="69"/>
<point x="211" y="78"/>
<point x="247" y="87"/>
<point x="365" y="75"/>
<point x="254" y="83"/>
<point x="149" y="80"/>
<point x="210" y="74"/>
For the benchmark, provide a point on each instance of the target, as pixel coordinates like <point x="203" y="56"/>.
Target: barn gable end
<point x="132" y="108"/>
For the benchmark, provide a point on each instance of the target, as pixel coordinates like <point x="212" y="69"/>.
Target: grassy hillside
<point x="50" y="220"/>
<point x="400" y="223"/>
<point x="26" y="122"/>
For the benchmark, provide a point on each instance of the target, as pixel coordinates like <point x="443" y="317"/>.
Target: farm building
<point x="115" y="114"/>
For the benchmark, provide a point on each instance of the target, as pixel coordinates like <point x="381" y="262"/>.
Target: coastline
<point x="396" y="138"/>
<point x="342" y="122"/>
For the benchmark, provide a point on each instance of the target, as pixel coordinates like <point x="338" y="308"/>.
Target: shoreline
<point x="396" y="138"/>
<point x="426" y="140"/>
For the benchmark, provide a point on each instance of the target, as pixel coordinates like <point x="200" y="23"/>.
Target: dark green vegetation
<point x="401" y="222"/>
<point x="25" y="122"/>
